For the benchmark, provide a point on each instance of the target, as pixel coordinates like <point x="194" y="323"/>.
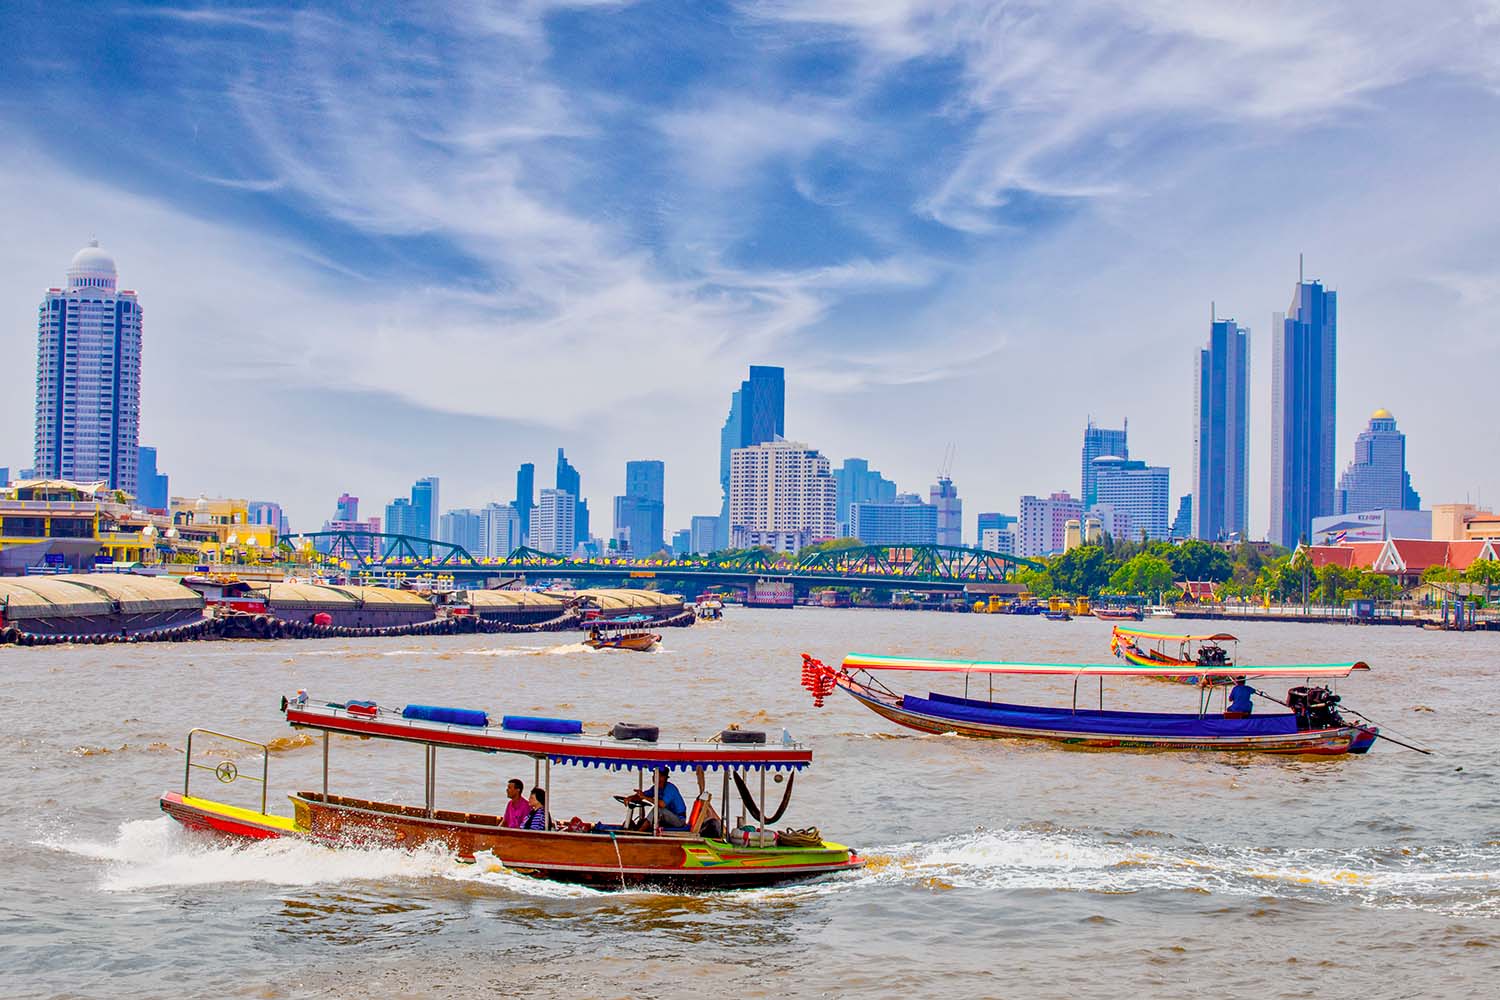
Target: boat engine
<point x="1315" y="707"/>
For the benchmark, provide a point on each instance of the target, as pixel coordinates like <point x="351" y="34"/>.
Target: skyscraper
<point x="500" y="530"/>
<point x="1304" y="366"/>
<point x="401" y="518"/>
<point x="346" y="508"/>
<point x="463" y="527"/>
<point x="950" y="512"/>
<point x="525" y="496"/>
<point x="639" y="512"/>
<point x="152" y="489"/>
<point x="570" y="482"/>
<point x="88" y="376"/>
<point x="552" y="524"/>
<point x="1044" y="522"/>
<point x="1098" y="442"/>
<point x="782" y="495"/>
<point x="906" y="520"/>
<point x="1221" y="449"/>
<point x="858" y="483"/>
<point x="757" y="413"/>
<point x="1140" y="492"/>
<point x="1377" y="478"/>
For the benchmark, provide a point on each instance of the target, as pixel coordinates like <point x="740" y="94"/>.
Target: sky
<point x="378" y="242"/>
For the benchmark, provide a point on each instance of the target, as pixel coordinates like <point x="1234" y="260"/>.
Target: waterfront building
<point x="856" y="482"/>
<point x="463" y="527"/>
<point x="1377" y="478"/>
<point x="1043" y="522"/>
<point x="222" y="528"/>
<point x="569" y="481"/>
<point x="1001" y="540"/>
<point x="906" y="520"/>
<point x="88" y="377"/>
<point x="553" y="525"/>
<point x="525" y="497"/>
<point x="781" y="486"/>
<point x="1139" y="491"/>
<point x="704" y="532"/>
<point x="1303" y="397"/>
<point x="682" y="542"/>
<point x="757" y="414"/>
<point x="950" y="512"/>
<point x="1097" y="442"/>
<point x="61" y="525"/>
<point x="1221" y="451"/>
<point x="1182" y="522"/>
<point x="1371" y="526"/>
<point x="500" y="531"/>
<point x="152" y="489"/>
<point x="639" y="514"/>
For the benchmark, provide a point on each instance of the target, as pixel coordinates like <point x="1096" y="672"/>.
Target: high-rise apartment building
<point x="1304" y="363"/>
<point x="1002" y="540"/>
<point x="783" y="488"/>
<point x="639" y="520"/>
<point x="88" y="376"/>
<point x="992" y="521"/>
<point x="401" y="518"/>
<point x="950" y="512"/>
<point x="500" y="530"/>
<point x="906" y="520"/>
<point x="1139" y="491"/>
<point x="703" y="532"/>
<point x="463" y="527"/>
<point x="346" y="508"/>
<point x="858" y="483"/>
<point x="1042" y="528"/>
<point x="569" y="481"/>
<point x="152" y="489"/>
<point x="757" y="413"/>
<point x="424" y="501"/>
<point x="1377" y="478"/>
<point x="553" y="528"/>
<point x="525" y="496"/>
<point x="1221" y="450"/>
<point x="1097" y="443"/>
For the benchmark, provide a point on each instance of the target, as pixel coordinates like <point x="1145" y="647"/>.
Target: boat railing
<point x="226" y="770"/>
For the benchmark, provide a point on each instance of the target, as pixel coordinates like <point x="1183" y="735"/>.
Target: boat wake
<point x="1448" y="879"/>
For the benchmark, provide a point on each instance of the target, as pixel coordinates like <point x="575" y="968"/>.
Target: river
<point x="997" y="869"/>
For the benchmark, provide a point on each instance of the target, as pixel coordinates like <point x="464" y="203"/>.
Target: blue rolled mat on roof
<point x="538" y="724"/>
<point x="451" y="716"/>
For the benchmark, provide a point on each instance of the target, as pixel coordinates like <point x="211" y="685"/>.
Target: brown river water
<point x="997" y="869"/>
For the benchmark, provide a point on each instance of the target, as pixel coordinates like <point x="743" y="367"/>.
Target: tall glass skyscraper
<point x="525" y="496"/>
<point x="757" y="414"/>
<point x="424" y="502"/>
<point x="638" y="513"/>
<point x="1221" y="449"/>
<point x="88" y="376"/>
<point x="570" y="482"/>
<point x="1377" y="478"/>
<point x="1099" y="442"/>
<point x="153" y="491"/>
<point x="1303" y="399"/>
<point x="858" y="483"/>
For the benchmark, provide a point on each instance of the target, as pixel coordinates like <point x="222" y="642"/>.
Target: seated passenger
<point x="536" y="818"/>
<point x="670" y="809"/>
<point x="517" y="808"/>
<point x="1240" y="704"/>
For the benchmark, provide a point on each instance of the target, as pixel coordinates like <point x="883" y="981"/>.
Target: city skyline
<point x="920" y="288"/>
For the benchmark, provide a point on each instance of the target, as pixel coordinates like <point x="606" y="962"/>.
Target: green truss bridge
<point x="945" y="567"/>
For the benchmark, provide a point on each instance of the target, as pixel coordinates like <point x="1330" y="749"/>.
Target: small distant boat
<point x="1149" y="649"/>
<point x="710" y="610"/>
<point x="1314" y="726"/>
<point x="1160" y="611"/>
<point x="1057" y="616"/>
<point x="640" y="642"/>
<point x="1118" y="614"/>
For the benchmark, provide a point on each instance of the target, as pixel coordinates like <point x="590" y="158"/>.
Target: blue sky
<point x="380" y="242"/>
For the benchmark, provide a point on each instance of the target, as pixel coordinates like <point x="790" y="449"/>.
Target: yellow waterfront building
<point x="60" y="523"/>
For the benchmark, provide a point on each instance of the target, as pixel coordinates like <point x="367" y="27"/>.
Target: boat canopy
<point x="585" y="749"/>
<point x="1138" y="633"/>
<point x="865" y="661"/>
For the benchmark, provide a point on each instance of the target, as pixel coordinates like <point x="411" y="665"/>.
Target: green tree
<point x="1198" y="560"/>
<point x="1084" y="570"/>
<point x="1441" y="574"/>
<point x="1144" y="574"/>
<point x="1038" y="581"/>
<point x="1486" y="572"/>
<point x="1379" y="586"/>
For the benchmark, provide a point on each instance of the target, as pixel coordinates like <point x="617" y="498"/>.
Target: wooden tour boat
<point x="1118" y="614"/>
<point x="1314" y="726"/>
<point x="640" y="642"/>
<point x="700" y="855"/>
<point x="1149" y="649"/>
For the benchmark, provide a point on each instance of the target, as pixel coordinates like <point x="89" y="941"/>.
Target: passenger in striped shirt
<point x="537" y="818"/>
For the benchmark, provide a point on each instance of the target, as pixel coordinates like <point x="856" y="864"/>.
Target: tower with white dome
<point x="88" y="376"/>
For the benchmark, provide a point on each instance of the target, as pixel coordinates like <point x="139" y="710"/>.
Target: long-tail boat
<point x="605" y="855"/>
<point x="1149" y="649"/>
<point x="1314" y="725"/>
<point x="640" y="642"/>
